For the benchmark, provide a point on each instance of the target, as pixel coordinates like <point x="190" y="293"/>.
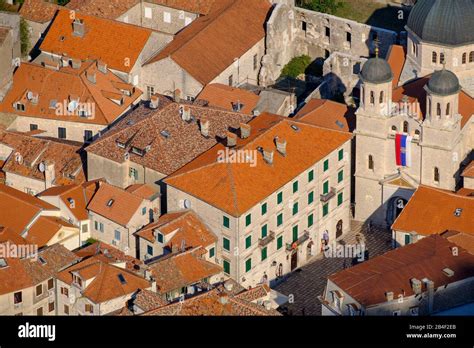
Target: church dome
<point x="444" y="22"/>
<point x="444" y="82"/>
<point x="376" y="70"/>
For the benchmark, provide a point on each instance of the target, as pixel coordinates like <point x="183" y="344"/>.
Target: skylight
<point x="3" y="263"/>
<point x="110" y="202"/>
<point x="122" y="279"/>
<point x="458" y="212"/>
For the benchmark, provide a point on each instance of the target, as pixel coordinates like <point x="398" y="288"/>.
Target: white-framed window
<point x="148" y="12"/>
<point x="166" y="17"/>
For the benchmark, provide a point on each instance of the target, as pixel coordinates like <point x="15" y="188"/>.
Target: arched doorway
<point x="395" y="208"/>
<point x="339" y="226"/>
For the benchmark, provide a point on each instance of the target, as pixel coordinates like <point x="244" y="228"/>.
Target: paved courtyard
<point x="309" y="281"/>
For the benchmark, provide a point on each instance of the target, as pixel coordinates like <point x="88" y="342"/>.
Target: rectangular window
<point x="295" y="233"/>
<point x="33" y="127"/>
<point x="133" y="173"/>
<point x="61" y="133"/>
<point x="101" y="227"/>
<point x="51" y="307"/>
<point x="340" y="198"/>
<point x="310" y="220"/>
<point x="50" y="284"/>
<point x="66" y="309"/>
<point x="327" y="32"/>
<point x="226" y="243"/>
<point x="88" y="135"/>
<point x="295" y="187"/>
<point x="248" y="242"/>
<point x="255" y="62"/>
<point x="325" y="209"/>
<point x="248" y="265"/>
<point x="18" y="297"/>
<point x="149" y="250"/>
<point x="340" y="155"/>
<point x="264" y="208"/>
<point x="150" y="90"/>
<point x="264" y="254"/>
<point x="310" y="175"/>
<point x="340" y="176"/>
<point x="226" y="222"/>
<point x="326" y="165"/>
<point x="212" y="252"/>
<point x="407" y="239"/>
<point x="280" y="219"/>
<point x="166" y="17"/>
<point x="280" y="198"/>
<point x="39" y="290"/>
<point x="117" y="235"/>
<point x="248" y="220"/>
<point x="231" y="80"/>
<point x="348" y="37"/>
<point x="295" y="208"/>
<point x="88" y="308"/>
<point x="326" y="187"/>
<point x="279" y="242"/>
<point x="310" y="197"/>
<point x="148" y="12"/>
<point x="143" y="210"/>
<point x="160" y="238"/>
<point x="226" y="266"/>
<point x="264" y="231"/>
<point x="39" y="311"/>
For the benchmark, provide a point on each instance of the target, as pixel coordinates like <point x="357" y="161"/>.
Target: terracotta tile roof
<point x="464" y="240"/>
<point x="113" y="42"/>
<point x="227" y="98"/>
<point x="18" y="209"/>
<point x="432" y="211"/>
<point x="254" y="294"/>
<point x="328" y="114"/>
<point x="465" y="192"/>
<point x="469" y="171"/>
<point x="217" y="39"/>
<point x="68" y="165"/>
<point x="115" y="204"/>
<point x="106" y="284"/>
<point x="180" y="270"/>
<point x="44" y="229"/>
<point x="368" y="282"/>
<point x="188" y="227"/>
<point x="202" y="7"/>
<point x="396" y="59"/>
<point x="8" y="236"/>
<point x="39" y="11"/>
<point x="216" y="302"/>
<point x="166" y="154"/>
<point x="237" y="187"/>
<point x="59" y="87"/>
<point x="24" y="273"/>
<point x="142" y="190"/>
<point x="148" y="300"/>
<point x="110" y="9"/>
<point x="79" y="194"/>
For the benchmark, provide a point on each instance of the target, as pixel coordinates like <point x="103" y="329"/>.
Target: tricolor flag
<point x="403" y="150"/>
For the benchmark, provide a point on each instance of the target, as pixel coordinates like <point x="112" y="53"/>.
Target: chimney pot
<point x="245" y="130"/>
<point x="389" y="296"/>
<point x="91" y="76"/>
<point x="281" y="145"/>
<point x="78" y="27"/>
<point x="102" y="67"/>
<point x="154" y="102"/>
<point x="76" y="63"/>
<point x="177" y="95"/>
<point x="205" y="128"/>
<point x="231" y="139"/>
<point x="268" y="156"/>
<point x="185" y="113"/>
<point x="416" y="285"/>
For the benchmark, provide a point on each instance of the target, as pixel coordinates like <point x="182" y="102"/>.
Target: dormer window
<point x="3" y="263"/>
<point x="237" y="107"/>
<point x="138" y="151"/>
<point x="78" y="281"/>
<point x="160" y="238"/>
<point x="19" y="106"/>
<point x="110" y="202"/>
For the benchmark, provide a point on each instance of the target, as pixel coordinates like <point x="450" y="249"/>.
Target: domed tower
<point x="442" y="99"/>
<point x="440" y="32"/>
<point x="376" y="87"/>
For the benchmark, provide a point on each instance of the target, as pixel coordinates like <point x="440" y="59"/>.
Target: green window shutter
<point x="248" y="265"/>
<point x="226" y="222"/>
<point x="340" y="198"/>
<point x="212" y="252"/>
<point x="326" y="165"/>
<point x="264" y="254"/>
<point x="248" y="242"/>
<point x="248" y="220"/>
<point x="326" y="187"/>
<point x="264" y="231"/>
<point x="280" y="219"/>
<point x="310" y="197"/>
<point x="340" y="176"/>
<point x="226" y="244"/>
<point x="295" y="187"/>
<point x="226" y="265"/>
<point x="279" y="242"/>
<point x="280" y="198"/>
<point x="325" y="209"/>
<point x="341" y="154"/>
<point x="264" y="208"/>
<point x="311" y="175"/>
<point x="160" y="238"/>
<point x="295" y="208"/>
<point x="310" y="220"/>
<point x="407" y="239"/>
<point x="295" y="233"/>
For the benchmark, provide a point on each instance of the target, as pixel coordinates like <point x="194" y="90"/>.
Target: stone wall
<point x="12" y="20"/>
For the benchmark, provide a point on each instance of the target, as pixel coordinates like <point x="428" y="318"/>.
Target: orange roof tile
<point x="117" y="44"/>
<point x="44" y="229"/>
<point x="237" y="187"/>
<point x="396" y="59"/>
<point x="56" y="88"/>
<point x="202" y="7"/>
<point x="39" y="11"/>
<point x="115" y="204"/>
<point x="464" y="240"/>
<point x="226" y="97"/>
<point x="469" y="171"/>
<point x="328" y="114"/>
<point x="142" y="190"/>
<point x="110" y="9"/>
<point x="217" y="39"/>
<point x="432" y="211"/>
<point x="368" y="282"/>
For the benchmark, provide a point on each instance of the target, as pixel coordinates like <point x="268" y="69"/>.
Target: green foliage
<point x="91" y="241"/>
<point x="296" y="66"/>
<point x="324" y="6"/>
<point x="6" y="7"/>
<point x="24" y="37"/>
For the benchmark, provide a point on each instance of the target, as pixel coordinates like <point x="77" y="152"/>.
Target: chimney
<point x="416" y="286"/>
<point x="430" y="289"/>
<point x="186" y="113"/>
<point x="174" y="249"/>
<point x="49" y="175"/>
<point x="204" y="128"/>
<point x="177" y="95"/>
<point x="231" y="139"/>
<point x="228" y="286"/>
<point x="91" y="76"/>
<point x="102" y="67"/>
<point x="76" y="63"/>
<point x="268" y="156"/>
<point x="267" y="305"/>
<point x="79" y="28"/>
<point x="154" y="102"/>
<point x="389" y="296"/>
<point x="224" y="299"/>
<point x="153" y="286"/>
<point x="281" y="145"/>
<point x="245" y="130"/>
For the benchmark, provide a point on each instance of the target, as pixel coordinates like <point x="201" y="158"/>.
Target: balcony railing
<point x="298" y="242"/>
<point x="327" y="196"/>
<point x="265" y="241"/>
